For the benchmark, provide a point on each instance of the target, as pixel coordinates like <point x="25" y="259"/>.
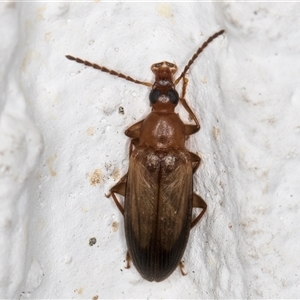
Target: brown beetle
<point x="158" y="187"/>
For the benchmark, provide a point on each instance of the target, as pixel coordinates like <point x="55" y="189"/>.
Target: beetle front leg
<point x="119" y="188"/>
<point x="198" y="202"/>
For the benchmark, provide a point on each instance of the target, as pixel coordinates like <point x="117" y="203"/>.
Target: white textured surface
<point x="245" y="90"/>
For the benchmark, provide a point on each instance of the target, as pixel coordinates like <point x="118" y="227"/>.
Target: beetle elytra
<point x="158" y="187"/>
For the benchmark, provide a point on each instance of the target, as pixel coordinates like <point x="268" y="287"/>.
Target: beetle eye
<point x="154" y="95"/>
<point x="173" y="96"/>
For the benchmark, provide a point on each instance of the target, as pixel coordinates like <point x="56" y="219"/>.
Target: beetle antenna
<point x="103" y="69"/>
<point x="204" y="45"/>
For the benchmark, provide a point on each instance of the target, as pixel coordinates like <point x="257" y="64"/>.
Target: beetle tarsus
<point x="181" y="267"/>
<point x="128" y="259"/>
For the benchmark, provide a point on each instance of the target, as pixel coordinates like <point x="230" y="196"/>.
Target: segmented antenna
<point x="204" y="45"/>
<point x="103" y="69"/>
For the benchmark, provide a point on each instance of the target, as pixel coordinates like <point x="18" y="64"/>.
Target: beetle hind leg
<point x="198" y="202"/>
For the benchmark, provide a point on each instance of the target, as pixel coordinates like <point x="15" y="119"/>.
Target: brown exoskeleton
<point x="158" y="187"/>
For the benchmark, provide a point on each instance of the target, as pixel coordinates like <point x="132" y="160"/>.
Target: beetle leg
<point x="189" y="129"/>
<point x="128" y="259"/>
<point x="196" y="160"/>
<point x="119" y="188"/>
<point x="181" y="267"/>
<point x="199" y="203"/>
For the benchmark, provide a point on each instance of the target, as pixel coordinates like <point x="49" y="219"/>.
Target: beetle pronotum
<point x="158" y="187"/>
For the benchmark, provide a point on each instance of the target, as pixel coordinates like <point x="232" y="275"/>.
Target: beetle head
<point x="164" y="72"/>
<point x="163" y="96"/>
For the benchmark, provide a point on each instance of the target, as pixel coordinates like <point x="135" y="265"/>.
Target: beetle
<point x="158" y="187"/>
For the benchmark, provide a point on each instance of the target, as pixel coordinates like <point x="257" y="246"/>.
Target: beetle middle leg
<point x="119" y="188"/>
<point x="198" y="202"/>
<point x="196" y="160"/>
